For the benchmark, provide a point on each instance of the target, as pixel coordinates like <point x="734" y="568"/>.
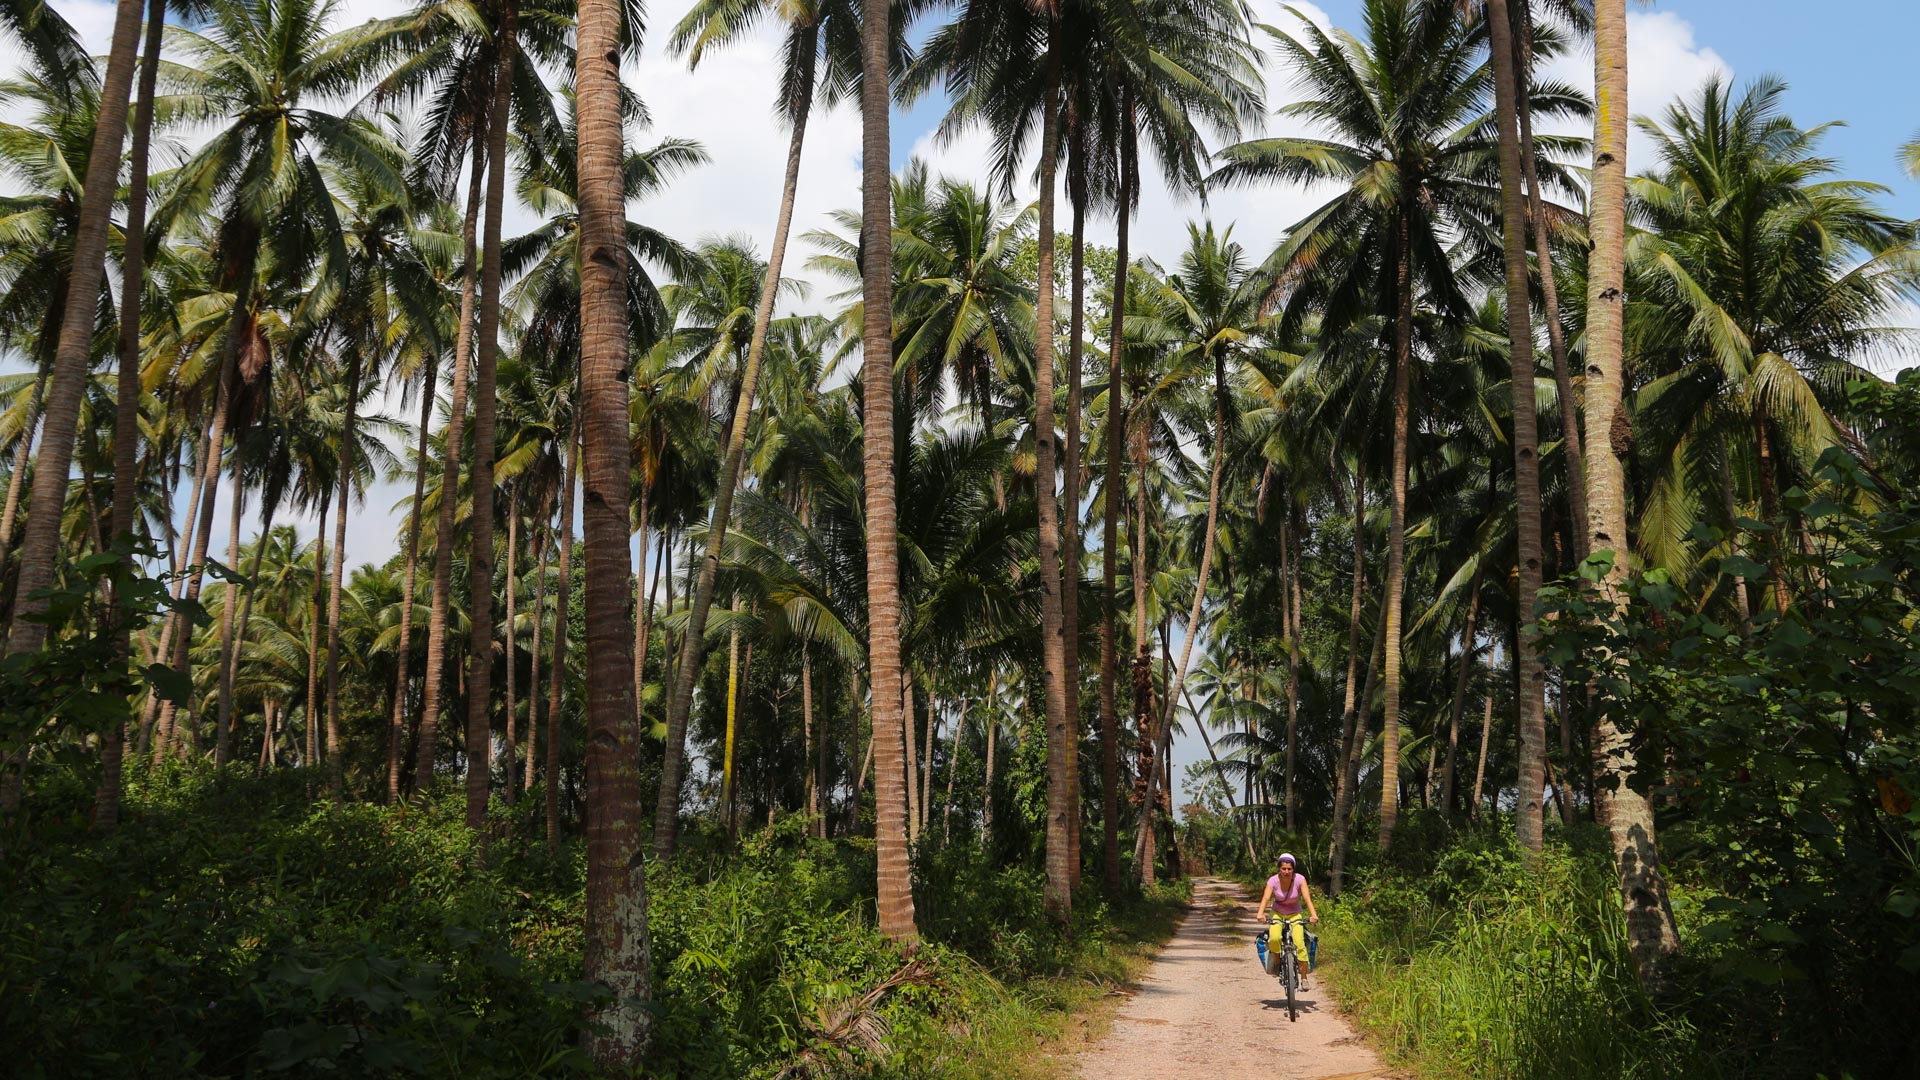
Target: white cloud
<point x="1664" y="65"/>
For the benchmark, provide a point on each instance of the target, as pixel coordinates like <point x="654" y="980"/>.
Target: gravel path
<point x="1206" y="1005"/>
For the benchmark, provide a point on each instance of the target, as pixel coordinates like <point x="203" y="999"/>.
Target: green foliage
<point x="231" y="927"/>
<point x="1474" y="965"/>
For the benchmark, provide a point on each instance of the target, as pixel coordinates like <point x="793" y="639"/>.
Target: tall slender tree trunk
<point x="177" y="543"/>
<point x="642" y="609"/>
<point x="203" y="516"/>
<point x="536" y="699"/>
<point x="1480" y="768"/>
<point x="1070" y="516"/>
<point x="895" y="895"/>
<point x="1289" y="615"/>
<point x="1396" y="529"/>
<point x="485" y="409"/>
<point x="1652" y="939"/>
<point x="617" y="954"/>
<point x="1110" y="536"/>
<point x="733" y="709"/>
<point x="1461" y="679"/>
<point x="73" y="354"/>
<point x="1526" y="460"/>
<point x="1059" y="887"/>
<point x="1356" y="750"/>
<point x="442" y="596"/>
<point x="310" y="711"/>
<point x="908" y="721"/>
<point x="513" y="644"/>
<point x="230" y="597"/>
<point x="558" y="681"/>
<point x="1343" y="782"/>
<point x="126" y="424"/>
<point x="22" y="462"/>
<point x="666" y="822"/>
<point x="991" y="722"/>
<point x="336" y="761"/>
<point x="1570" y="444"/>
<point x="253" y="576"/>
<point x="397" y="725"/>
<point x="1178" y="677"/>
<point x="810" y="743"/>
<point x="953" y="769"/>
<point x="1143" y="709"/>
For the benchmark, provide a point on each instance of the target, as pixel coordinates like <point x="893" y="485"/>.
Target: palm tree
<point x="1002" y="62"/>
<point x="126" y="424"/>
<point x="1408" y="145"/>
<point x="260" y="177"/>
<point x="895" y="893"/>
<point x="58" y="50"/>
<point x="1526" y="447"/>
<point x="616" y="933"/>
<point x="1627" y="814"/>
<point x="813" y="29"/>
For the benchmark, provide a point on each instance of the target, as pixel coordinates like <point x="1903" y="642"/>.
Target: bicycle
<point x="1287" y="957"/>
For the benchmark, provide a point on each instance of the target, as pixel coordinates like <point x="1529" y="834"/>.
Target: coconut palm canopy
<point x="941" y="527"/>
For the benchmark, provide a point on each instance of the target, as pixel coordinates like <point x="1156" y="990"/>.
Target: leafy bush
<point x="232" y="926"/>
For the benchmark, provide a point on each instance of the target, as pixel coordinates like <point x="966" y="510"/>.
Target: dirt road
<point x="1205" y="1005"/>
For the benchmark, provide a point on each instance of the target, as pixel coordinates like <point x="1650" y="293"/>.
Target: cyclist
<point x="1287" y="892"/>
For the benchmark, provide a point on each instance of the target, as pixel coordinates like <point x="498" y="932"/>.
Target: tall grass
<point x="1481" y="966"/>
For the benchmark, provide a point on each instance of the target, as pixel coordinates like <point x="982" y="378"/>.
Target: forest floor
<point x="1205" y="1004"/>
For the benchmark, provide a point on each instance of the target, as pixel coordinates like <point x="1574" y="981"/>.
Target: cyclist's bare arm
<point x="1266" y="901"/>
<point x="1306" y="893"/>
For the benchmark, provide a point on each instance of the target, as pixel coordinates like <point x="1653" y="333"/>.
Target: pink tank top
<point x="1286" y="902"/>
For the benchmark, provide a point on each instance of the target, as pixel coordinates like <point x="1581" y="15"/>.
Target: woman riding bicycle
<point x="1287" y="892"/>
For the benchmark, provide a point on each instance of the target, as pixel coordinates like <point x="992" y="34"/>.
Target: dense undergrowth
<point x="1461" y="960"/>
<point x="233" y="927"/>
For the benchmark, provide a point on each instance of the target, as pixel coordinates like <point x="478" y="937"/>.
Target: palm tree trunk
<point x="992" y="723"/>
<point x="1526" y="460"/>
<point x="1239" y="822"/>
<point x="177" y="553"/>
<point x="733" y="709"/>
<point x="1110" y="538"/>
<point x="313" y="639"/>
<point x="513" y="643"/>
<point x="1143" y="710"/>
<point x="557" y="682"/>
<point x="953" y="769"/>
<point x="1179" y="676"/>
<point x="203" y="520"/>
<point x="73" y="354"/>
<point x="485" y="409"/>
<point x="253" y="591"/>
<point x="126" y="429"/>
<point x="1070" y="518"/>
<point x="442" y="596"/>
<point x="536" y="700"/>
<point x="1343" y="787"/>
<point x="22" y="460"/>
<point x="666" y="821"/>
<point x="1288" y="616"/>
<point x="1467" y="664"/>
<point x="1652" y="939"/>
<point x="895" y="896"/>
<point x="1059" y="887"/>
<point x="643" y="637"/>
<point x="1570" y="444"/>
<point x="1740" y="600"/>
<point x="336" y="761"/>
<point x="1396" y="530"/>
<point x="397" y="725"/>
<point x="223" y="730"/>
<point x="1356" y="745"/>
<point x="809" y="751"/>
<point x="1480" y="769"/>
<point x="617" y="953"/>
<point x="908" y="721"/>
<point x="642" y="621"/>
